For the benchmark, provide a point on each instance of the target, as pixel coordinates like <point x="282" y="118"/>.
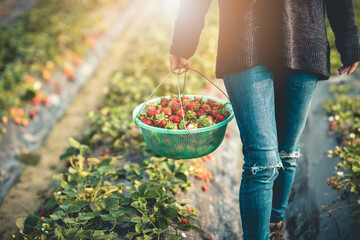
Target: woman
<point x="271" y="55"/>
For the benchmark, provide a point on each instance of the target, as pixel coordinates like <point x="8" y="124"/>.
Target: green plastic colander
<point x="183" y="144"/>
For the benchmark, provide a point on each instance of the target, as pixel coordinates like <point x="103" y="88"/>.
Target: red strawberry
<point x="46" y="101"/>
<point x="32" y="114"/>
<point x="213" y="113"/>
<point x="208" y="238"/>
<point x="175" y="107"/>
<point x="190" y="106"/>
<point x="17" y="120"/>
<point x="156" y="122"/>
<point x="200" y="112"/>
<point x="220" y="117"/>
<point x="205" y="188"/>
<point x="171" y="117"/>
<point x="152" y="111"/>
<point x="180" y="113"/>
<point x="176" y="119"/>
<point x="184" y="221"/>
<point x="208" y="88"/>
<point x="198" y="99"/>
<point x="25" y="122"/>
<point x="167" y="111"/>
<point x="42" y="211"/>
<point x="206" y="108"/>
<point x="186" y="97"/>
<point x="163" y="123"/>
<point x="147" y="122"/>
<point x="164" y="102"/>
<point x="161" y="108"/>
<point x="36" y="100"/>
<point x="211" y="119"/>
<point x="213" y="105"/>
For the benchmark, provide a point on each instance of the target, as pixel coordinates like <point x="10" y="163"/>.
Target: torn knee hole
<point x="255" y="169"/>
<point x="285" y="155"/>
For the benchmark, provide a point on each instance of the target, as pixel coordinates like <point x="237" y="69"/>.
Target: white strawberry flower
<point x="331" y="118"/>
<point x="183" y="235"/>
<point x="340" y="173"/>
<point x="337" y="117"/>
<point x="352" y="135"/>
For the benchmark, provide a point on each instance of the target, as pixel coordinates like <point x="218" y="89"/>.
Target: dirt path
<point x="23" y="197"/>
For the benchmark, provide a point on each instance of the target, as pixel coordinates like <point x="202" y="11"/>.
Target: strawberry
<point x="180" y="113"/>
<point x="208" y="88"/>
<point x="208" y="238"/>
<point x="156" y="122"/>
<point x="164" y="102"/>
<point x="205" y="188"/>
<point x="25" y="122"/>
<point x="42" y="211"/>
<point x="211" y="119"/>
<point x="176" y="119"/>
<point x="190" y="106"/>
<point x="198" y="99"/>
<point x="186" y="97"/>
<point x="147" y="122"/>
<point x="160" y="109"/>
<point x="200" y="112"/>
<point x="184" y="221"/>
<point x="171" y="117"/>
<point x="142" y="117"/>
<point x="36" y="100"/>
<point x="206" y="108"/>
<point x="213" y="105"/>
<point x="4" y="119"/>
<point x="163" y="123"/>
<point x="17" y="120"/>
<point x="46" y="101"/>
<point x="167" y="111"/>
<point x="32" y="113"/>
<point x="152" y="111"/>
<point x="220" y="117"/>
<point x="175" y="107"/>
<point x="189" y="211"/>
<point x="213" y="113"/>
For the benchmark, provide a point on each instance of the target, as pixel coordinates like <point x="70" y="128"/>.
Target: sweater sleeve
<point x="188" y="27"/>
<point x="342" y="21"/>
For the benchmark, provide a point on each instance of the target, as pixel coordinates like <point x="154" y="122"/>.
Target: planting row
<point x="51" y="37"/>
<point x="344" y="119"/>
<point x="113" y="186"/>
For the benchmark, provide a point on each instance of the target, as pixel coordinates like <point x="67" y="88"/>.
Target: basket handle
<point x="178" y="80"/>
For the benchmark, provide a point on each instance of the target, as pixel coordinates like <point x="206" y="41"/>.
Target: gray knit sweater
<point x="277" y="33"/>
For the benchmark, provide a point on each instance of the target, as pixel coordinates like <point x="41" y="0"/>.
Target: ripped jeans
<point x="271" y="115"/>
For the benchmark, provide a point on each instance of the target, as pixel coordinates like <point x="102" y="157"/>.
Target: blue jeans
<point x="271" y="115"/>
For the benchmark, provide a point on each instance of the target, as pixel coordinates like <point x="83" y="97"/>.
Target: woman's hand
<point x="348" y="68"/>
<point x="178" y="64"/>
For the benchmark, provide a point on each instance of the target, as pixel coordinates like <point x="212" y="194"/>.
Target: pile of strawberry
<point x="198" y="113"/>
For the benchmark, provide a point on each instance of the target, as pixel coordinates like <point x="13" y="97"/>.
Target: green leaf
<point x="136" y="219"/>
<point x="125" y="201"/>
<point x="355" y="168"/>
<point x="139" y="227"/>
<point x="157" y="230"/>
<point x="82" y="204"/>
<point x="59" y="232"/>
<point x="355" y="213"/>
<point x="171" y="212"/>
<point x="50" y="205"/>
<point x="74" y="143"/>
<point x="163" y="223"/>
<point x="30" y="223"/>
<point x="181" y="176"/>
<point x="70" y="233"/>
<point x="143" y="188"/>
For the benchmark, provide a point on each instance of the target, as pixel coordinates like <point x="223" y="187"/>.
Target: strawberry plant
<point x="344" y="119"/>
